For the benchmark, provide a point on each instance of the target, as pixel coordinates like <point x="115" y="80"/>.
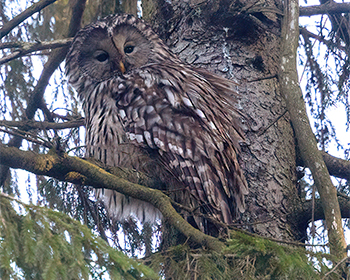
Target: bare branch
<point x="328" y="8"/>
<point x="7" y="27"/>
<point x="70" y="169"/>
<point x="328" y="43"/>
<point x="43" y="125"/>
<point x="305" y="137"/>
<point x="336" y="166"/>
<point x="305" y="211"/>
<point x="26" y="48"/>
<point x="37" y="46"/>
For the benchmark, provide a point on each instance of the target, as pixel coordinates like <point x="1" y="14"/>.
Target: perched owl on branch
<point x="146" y="109"/>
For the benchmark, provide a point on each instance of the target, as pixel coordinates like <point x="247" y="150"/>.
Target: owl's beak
<point x="122" y="67"/>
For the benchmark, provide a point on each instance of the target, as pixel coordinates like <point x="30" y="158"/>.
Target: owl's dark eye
<point x="129" y="49"/>
<point x="101" y="56"/>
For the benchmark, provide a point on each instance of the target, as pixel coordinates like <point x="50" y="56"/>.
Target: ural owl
<point x="146" y="109"/>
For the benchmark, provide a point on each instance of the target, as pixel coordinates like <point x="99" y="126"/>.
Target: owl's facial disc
<point x="105" y="55"/>
<point x="133" y="46"/>
<point x="99" y="57"/>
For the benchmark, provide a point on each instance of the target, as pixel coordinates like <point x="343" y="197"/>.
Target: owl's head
<point x="113" y="46"/>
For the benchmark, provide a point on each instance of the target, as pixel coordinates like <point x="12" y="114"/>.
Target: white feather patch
<point x="171" y="97"/>
<point x="149" y="109"/>
<point x="131" y="136"/>
<point x="189" y="153"/>
<point x="196" y="180"/>
<point x="174" y="163"/>
<point x="139" y="138"/>
<point x="148" y="138"/>
<point x="148" y="79"/>
<point x="187" y="102"/>
<point x="183" y="164"/>
<point x="141" y="123"/>
<point x="165" y="82"/>
<point x="200" y="113"/>
<point x="159" y="143"/>
<point x="135" y="115"/>
<point x="172" y="147"/>
<point x="201" y="169"/>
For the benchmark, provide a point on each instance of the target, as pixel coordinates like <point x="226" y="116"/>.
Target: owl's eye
<point x="129" y="49"/>
<point x="101" y="56"/>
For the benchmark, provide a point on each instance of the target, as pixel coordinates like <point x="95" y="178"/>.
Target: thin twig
<point x="27" y="48"/>
<point x="335" y="267"/>
<point x="272" y="123"/>
<point x="263" y="78"/>
<point x="36" y="7"/>
<point x="294" y="243"/>
<point x="328" y="43"/>
<point x="30" y="139"/>
<point x="43" y="125"/>
<point x="253" y="223"/>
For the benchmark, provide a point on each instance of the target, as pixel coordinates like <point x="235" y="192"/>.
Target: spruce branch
<point x="36" y="46"/>
<point x="76" y="170"/>
<point x="42" y="236"/>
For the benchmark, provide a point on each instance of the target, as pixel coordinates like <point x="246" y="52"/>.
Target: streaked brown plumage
<point x="145" y="109"/>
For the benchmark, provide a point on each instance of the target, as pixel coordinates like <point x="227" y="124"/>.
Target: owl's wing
<point x="182" y="115"/>
<point x="214" y="99"/>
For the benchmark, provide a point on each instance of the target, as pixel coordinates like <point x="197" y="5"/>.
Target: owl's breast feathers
<point x="189" y="119"/>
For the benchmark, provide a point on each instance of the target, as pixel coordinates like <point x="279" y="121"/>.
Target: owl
<point x="146" y="109"/>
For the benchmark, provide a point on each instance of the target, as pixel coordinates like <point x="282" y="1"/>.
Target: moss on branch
<point x="76" y="170"/>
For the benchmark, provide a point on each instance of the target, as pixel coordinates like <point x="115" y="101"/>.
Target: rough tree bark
<point x="224" y="38"/>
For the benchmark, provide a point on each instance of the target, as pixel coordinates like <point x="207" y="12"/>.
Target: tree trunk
<point x="230" y="40"/>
